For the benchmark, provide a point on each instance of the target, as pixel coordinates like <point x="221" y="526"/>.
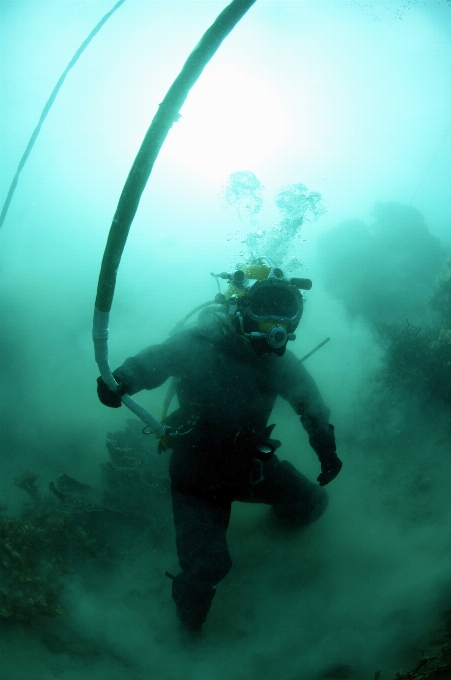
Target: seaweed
<point x="418" y="357"/>
<point x="440" y="300"/>
<point x="34" y="554"/>
<point x="57" y="533"/>
<point x="418" y="360"/>
<point x="433" y="664"/>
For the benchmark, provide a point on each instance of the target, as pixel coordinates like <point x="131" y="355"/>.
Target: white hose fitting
<point x="100" y="338"/>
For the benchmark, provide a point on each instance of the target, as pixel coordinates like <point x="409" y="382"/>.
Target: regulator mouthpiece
<point x="276" y="336"/>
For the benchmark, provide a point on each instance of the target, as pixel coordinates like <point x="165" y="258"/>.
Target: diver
<point x="229" y="369"/>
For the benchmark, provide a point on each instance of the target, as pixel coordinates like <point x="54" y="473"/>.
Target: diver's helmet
<point x="267" y="312"/>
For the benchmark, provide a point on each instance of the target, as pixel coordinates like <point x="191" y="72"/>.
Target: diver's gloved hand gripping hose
<point x="167" y="114"/>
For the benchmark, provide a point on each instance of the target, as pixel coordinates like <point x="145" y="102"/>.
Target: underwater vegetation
<point x="440" y="300"/>
<point x="418" y="360"/>
<point x="61" y="531"/>
<point x="434" y="664"/>
<point x="29" y="585"/>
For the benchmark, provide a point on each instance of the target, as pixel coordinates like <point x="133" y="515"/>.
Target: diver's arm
<point x="151" y="367"/>
<point x="300" y="390"/>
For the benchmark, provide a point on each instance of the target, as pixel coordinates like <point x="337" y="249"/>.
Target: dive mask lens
<point x="276" y="303"/>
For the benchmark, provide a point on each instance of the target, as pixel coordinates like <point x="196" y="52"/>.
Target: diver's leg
<point x="294" y="498"/>
<point x="200" y="528"/>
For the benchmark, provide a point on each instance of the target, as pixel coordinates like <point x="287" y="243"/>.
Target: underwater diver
<point x="229" y="369"/>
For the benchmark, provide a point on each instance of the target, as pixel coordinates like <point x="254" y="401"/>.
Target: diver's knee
<point x="319" y="504"/>
<point x="302" y="511"/>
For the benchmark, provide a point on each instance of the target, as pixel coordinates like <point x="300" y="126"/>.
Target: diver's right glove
<point x="109" y="397"/>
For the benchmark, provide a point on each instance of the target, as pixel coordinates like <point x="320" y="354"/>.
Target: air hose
<point x="48" y="106"/>
<point x="167" y="114"/>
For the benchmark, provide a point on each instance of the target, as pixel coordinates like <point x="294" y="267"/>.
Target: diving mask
<point x="267" y="312"/>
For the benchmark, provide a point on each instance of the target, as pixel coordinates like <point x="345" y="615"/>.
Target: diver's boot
<point x="193" y="601"/>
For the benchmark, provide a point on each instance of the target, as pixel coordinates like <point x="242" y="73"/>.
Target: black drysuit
<point x="226" y="394"/>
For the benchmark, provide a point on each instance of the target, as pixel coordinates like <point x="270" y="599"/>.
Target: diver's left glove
<point x="322" y="440"/>
<point x="109" y="397"/>
<point x="330" y="467"/>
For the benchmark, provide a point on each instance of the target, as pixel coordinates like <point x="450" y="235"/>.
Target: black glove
<point x="330" y="467"/>
<point x="322" y="440"/>
<point x="109" y="397"/>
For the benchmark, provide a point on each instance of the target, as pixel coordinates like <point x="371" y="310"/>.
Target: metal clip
<point x="188" y="426"/>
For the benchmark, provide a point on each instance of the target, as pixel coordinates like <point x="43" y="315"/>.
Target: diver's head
<point x="267" y="313"/>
